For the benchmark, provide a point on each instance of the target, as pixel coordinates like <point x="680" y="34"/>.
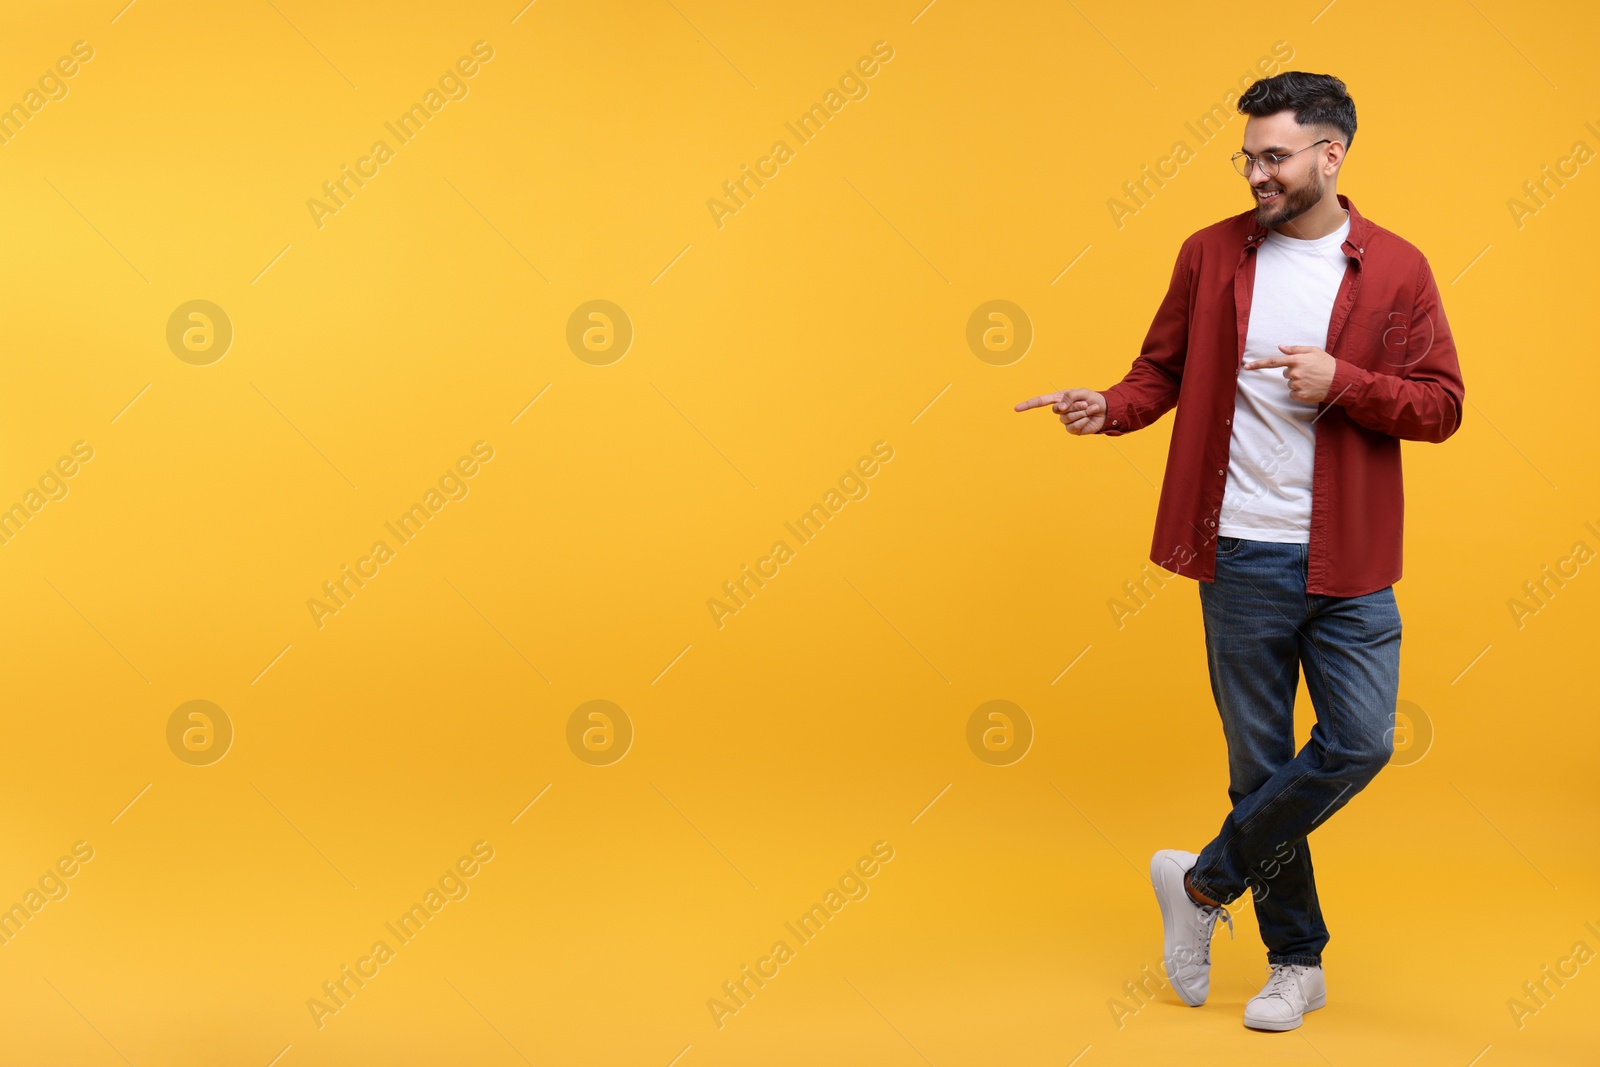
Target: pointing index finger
<point x="1036" y="402"/>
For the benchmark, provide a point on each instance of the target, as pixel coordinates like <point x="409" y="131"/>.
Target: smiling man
<point x="1301" y="344"/>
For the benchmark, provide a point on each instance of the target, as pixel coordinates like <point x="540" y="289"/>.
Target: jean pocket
<point x="1227" y="546"/>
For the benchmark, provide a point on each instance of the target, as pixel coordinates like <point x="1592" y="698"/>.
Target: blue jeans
<point x="1261" y="629"/>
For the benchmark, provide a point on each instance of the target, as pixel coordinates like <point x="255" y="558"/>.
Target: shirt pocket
<point x="1380" y="339"/>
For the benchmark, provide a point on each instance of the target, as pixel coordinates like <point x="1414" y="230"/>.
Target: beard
<point x="1294" y="201"/>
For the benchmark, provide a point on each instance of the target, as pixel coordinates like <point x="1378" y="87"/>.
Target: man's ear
<point x="1336" y="150"/>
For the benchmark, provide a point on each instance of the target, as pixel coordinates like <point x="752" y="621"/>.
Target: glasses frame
<point x="1278" y="161"/>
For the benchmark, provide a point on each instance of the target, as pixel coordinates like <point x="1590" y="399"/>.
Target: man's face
<point x="1298" y="185"/>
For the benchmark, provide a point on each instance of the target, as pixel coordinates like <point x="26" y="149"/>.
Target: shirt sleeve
<point x="1150" y="388"/>
<point x="1421" y="398"/>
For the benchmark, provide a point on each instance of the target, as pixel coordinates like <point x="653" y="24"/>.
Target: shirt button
<point x="1219" y="472"/>
<point x="1227" y="422"/>
<point x="1114" y="422"/>
<point x="1210" y="523"/>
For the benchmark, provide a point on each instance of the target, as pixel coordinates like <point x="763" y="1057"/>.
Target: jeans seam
<point x="1322" y="671"/>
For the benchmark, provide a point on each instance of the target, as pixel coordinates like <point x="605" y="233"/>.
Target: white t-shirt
<point x="1268" y="497"/>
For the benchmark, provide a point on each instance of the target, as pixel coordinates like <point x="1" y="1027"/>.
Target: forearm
<point x="1145" y="393"/>
<point x="1413" y="409"/>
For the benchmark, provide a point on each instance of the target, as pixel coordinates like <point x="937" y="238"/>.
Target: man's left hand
<point x="1310" y="371"/>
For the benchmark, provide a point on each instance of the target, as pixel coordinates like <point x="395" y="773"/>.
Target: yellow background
<point x="769" y="354"/>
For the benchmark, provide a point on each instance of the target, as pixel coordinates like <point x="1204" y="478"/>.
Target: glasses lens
<point x="1246" y="166"/>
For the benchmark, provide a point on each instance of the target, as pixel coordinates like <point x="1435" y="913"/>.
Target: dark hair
<point x="1315" y="99"/>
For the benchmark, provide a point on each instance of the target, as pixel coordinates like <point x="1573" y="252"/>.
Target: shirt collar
<point x="1355" y="242"/>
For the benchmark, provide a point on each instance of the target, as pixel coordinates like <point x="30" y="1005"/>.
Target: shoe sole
<point x="1294" y="1024"/>
<point x="1166" y="925"/>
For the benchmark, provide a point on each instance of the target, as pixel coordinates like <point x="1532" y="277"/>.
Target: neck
<point x="1320" y="221"/>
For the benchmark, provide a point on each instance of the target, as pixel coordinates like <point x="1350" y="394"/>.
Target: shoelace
<point x="1285" y="977"/>
<point x="1207" y="917"/>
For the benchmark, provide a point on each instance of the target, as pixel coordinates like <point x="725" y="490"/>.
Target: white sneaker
<point x="1186" y="951"/>
<point x="1293" y="990"/>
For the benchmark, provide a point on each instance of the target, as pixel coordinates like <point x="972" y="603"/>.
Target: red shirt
<point x="1395" y="378"/>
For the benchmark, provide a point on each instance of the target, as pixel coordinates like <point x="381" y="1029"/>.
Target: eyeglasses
<point x="1245" y="163"/>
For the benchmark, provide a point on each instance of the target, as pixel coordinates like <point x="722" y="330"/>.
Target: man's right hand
<point x="1082" y="410"/>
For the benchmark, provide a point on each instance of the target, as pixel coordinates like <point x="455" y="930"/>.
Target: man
<point x="1283" y="499"/>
